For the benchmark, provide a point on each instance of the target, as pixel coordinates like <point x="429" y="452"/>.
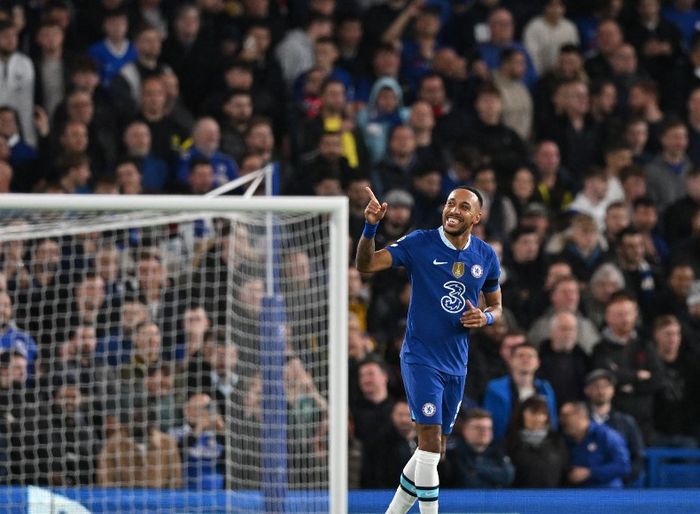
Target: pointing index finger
<point x="371" y="194"/>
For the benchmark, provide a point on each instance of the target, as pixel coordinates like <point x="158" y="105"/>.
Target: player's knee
<point x="430" y="438"/>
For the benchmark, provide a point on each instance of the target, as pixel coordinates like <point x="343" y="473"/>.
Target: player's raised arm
<point x="366" y="259"/>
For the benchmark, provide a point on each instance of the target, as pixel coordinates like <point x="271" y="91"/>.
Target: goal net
<point x="172" y="354"/>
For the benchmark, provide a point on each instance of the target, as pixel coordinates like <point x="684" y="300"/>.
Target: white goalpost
<point x="173" y="354"/>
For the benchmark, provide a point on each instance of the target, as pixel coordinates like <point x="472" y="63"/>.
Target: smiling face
<point x="462" y="211"/>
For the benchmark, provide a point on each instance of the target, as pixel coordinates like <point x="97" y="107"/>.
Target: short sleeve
<point x="494" y="273"/>
<point x="402" y="250"/>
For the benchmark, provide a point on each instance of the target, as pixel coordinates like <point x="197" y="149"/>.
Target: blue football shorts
<point x="434" y="397"/>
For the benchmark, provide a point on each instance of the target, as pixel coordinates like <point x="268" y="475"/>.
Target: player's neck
<point x="459" y="241"/>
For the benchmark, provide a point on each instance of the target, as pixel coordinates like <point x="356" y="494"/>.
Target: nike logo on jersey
<point x="437" y="262"/>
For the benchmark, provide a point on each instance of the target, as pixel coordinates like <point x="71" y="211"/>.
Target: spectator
<point x="152" y="288"/>
<point x="600" y="391"/>
<point x="684" y="16"/>
<point x="52" y="66"/>
<point x="422" y="121"/>
<point x="617" y="220"/>
<point x="146" y="352"/>
<point x="145" y="61"/>
<point x="641" y="278"/>
<point x="504" y="394"/>
<point x="395" y="170"/>
<point x="645" y="218"/>
<point x="20" y="411"/>
<point x="373" y="409"/>
<point x="598" y="456"/>
<point x="90" y="304"/>
<point x="554" y="186"/>
<point x="139" y="454"/>
<point x="564" y="297"/>
<point x="674" y="297"/>
<point x="200" y="179"/>
<point x="117" y="348"/>
<point x="544" y="35"/>
<point x="517" y="102"/>
<point x="260" y="140"/>
<point x="418" y="49"/>
<point x="605" y="281"/>
<point x="537" y="452"/>
<point x="693" y="123"/>
<point x="427" y="192"/>
<point x="137" y="145"/>
<point x="594" y="198"/>
<point x="547" y="92"/>
<point x="563" y="363"/>
<point x="675" y="412"/>
<point x="666" y="171"/>
<point x="636" y="134"/>
<point x="383" y="112"/>
<point x="502" y="32"/>
<point x="574" y="131"/>
<point x="129" y="178"/>
<point x="472" y="459"/>
<point x="498" y="216"/>
<point x="525" y="270"/>
<point x="491" y="136"/>
<point x="161" y="397"/>
<point x="631" y="359"/>
<point x="12" y="338"/>
<point x="236" y="113"/>
<point x="188" y="50"/>
<point x="295" y="51"/>
<point x="166" y="133"/>
<point x="69" y="438"/>
<point x="18" y="88"/>
<point x="116" y="50"/>
<point x="22" y="157"/>
<point x="225" y="374"/>
<point x="206" y="138"/>
<point x="201" y="443"/>
<point x="394" y="446"/>
<point x="678" y="215"/>
<point x="583" y="250"/>
<point x="657" y="40"/>
<point x="608" y="39"/>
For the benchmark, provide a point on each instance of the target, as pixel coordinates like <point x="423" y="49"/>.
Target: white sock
<point x="427" y="481"/>
<point x="403" y="501"/>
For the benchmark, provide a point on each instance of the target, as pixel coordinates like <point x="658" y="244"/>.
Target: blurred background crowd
<point x="578" y="121"/>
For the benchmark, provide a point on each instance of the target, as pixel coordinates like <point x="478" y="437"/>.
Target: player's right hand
<point x="375" y="211"/>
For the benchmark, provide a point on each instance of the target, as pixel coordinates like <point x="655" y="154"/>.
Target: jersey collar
<point x="447" y="242"/>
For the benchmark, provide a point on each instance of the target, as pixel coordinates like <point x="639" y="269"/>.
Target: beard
<point x="456" y="231"/>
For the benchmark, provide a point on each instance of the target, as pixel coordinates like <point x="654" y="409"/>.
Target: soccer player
<point x="448" y="267"/>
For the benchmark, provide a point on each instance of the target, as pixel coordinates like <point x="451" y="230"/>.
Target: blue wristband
<point x="489" y="318"/>
<point x="370" y="230"/>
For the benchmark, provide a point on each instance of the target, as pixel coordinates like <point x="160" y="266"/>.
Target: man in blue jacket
<point x="503" y="395"/>
<point x="598" y="456"/>
<point x="14" y="339"/>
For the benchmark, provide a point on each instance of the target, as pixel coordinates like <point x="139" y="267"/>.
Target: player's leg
<point x="428" y="457"/>
<point x="424" y="393"/>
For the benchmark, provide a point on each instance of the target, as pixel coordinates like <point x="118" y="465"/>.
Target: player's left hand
<point x="472" y="318"/>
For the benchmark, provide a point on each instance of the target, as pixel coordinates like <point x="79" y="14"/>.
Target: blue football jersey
<point x="443" y="278"/>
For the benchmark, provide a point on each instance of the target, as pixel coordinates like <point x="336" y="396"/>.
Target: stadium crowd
<point x="578" y="121"/>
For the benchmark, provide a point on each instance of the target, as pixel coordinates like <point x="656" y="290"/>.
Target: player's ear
<point x="477" y="216"/>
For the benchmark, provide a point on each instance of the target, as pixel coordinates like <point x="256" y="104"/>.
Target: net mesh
<point x="146" y="366"/>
